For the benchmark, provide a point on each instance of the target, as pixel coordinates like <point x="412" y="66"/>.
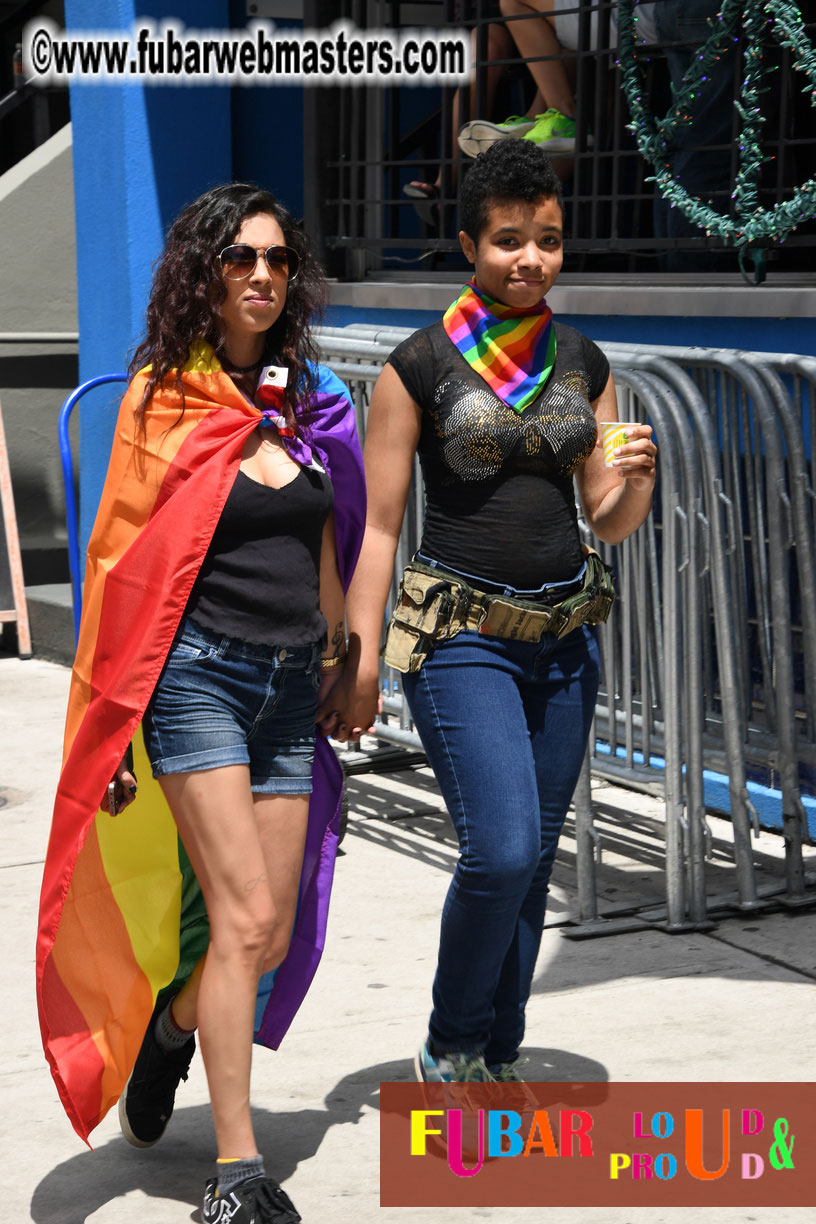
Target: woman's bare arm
<point x="616" y="500"/>
<point x="392" y="436"/>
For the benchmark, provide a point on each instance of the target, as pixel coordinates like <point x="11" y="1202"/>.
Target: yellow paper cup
<point x="613" y="435"/>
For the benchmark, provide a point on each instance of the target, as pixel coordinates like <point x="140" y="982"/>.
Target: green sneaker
<point x="553" y="132"/>
<point x="480" y="134"/>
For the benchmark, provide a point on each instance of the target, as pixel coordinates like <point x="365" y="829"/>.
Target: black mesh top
<point x="498" y="484"/>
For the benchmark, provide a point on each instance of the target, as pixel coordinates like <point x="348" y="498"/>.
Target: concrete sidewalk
<point x="733" y="1004"/>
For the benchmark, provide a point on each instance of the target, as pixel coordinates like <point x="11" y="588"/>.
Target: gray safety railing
<point x="759" y="690"/>
<point x="648" y="652"/>
<point x="706" y="662"/>
<point x="721" y="656"/>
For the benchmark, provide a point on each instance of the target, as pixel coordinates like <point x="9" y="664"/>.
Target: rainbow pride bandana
<point x="510" y="347"/>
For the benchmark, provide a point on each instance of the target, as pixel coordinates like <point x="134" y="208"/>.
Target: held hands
<point x="121" y="788"/>
<point x="329" y="683"/>
<point x="635" y="460"/>
<point x="347" y="708"/>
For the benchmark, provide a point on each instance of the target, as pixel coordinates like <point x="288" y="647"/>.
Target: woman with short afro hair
<point x="493" y="624"/>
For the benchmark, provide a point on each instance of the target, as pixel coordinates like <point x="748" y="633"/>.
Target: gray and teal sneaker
<point x="452" y="1067"/>
<point x="480" y="134"/>
<point x="508" y="1073"/>
<point x="518" y="1096"/>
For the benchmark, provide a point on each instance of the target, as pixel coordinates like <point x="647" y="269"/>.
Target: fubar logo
<point x="501" y="1133"/>
<point x="598" y="1144"/>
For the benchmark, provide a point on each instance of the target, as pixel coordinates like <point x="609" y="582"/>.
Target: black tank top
<point x="260" y="579"/>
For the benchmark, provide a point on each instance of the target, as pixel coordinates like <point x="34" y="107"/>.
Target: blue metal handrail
<point x="68" y="478"/>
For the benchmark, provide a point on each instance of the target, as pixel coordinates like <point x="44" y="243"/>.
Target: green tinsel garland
<point x="750" y="223"/>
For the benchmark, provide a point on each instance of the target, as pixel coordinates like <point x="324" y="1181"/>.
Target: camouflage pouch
<point x="592" y="604"/>
<point x="405" y="649"/>
<point x="428" y="609"/>
<point x="516" y="619"/>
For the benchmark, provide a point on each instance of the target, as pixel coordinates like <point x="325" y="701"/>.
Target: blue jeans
<point x="505" y="726"/>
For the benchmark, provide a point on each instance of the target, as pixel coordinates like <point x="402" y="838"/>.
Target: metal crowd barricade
<point x="720" y="644"/>
<point x="767" y="493"/>
<point x="791" y="382"/>
<point x="699" y="673"/>
<point x="639" y="705"/>
<point x="709" y="656"/>
<point x="655" y="698"/>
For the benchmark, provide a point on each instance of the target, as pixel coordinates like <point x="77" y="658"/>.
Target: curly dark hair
<point x="507" y="170"/>
<point x="185" y="301"/>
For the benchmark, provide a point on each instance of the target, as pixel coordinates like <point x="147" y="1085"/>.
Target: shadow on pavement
<point x="631" y="875"/>
<point x="177" y="1168"/>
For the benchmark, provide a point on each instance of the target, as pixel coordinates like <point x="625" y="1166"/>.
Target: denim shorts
<point x="222" y="701"/>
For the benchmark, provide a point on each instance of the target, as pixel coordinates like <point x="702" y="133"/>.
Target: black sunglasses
<point x="238" y="261"/>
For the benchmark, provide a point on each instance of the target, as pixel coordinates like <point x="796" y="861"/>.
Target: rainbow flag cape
<point x="121" y="914"/>
<point x="511" y="348"/>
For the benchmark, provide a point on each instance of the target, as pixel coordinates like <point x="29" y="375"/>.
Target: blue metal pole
<point x="68" y="478"/>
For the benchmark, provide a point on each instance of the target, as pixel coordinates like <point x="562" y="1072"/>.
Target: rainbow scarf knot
<point x="297" y="447"/>
<point x="512" y="348"/>
<point x="274" y="420"/>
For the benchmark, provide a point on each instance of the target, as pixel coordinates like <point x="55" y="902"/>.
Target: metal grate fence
<point x="366" y="145"/>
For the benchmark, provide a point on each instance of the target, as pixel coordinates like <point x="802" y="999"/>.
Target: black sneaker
<point x="146" y="1104"/>
<point x="257" y="1201"/>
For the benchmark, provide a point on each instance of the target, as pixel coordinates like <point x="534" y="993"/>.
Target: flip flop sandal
<point x="426" y="201"/>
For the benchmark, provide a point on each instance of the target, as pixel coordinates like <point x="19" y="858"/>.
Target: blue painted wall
<point x="343" y="316"/>
<point x="267" y="141"/>
<point x="140" y="155"/>
<point x="756" y="335"/>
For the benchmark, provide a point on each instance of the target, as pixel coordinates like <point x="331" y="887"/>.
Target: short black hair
<point x="508" y="170"/>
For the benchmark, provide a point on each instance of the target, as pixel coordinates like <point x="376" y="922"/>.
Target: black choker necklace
<point x="234" y="369"/>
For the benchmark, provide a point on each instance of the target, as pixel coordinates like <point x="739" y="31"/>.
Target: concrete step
<point x="51" y="619"/>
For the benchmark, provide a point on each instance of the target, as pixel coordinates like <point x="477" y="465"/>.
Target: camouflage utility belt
<point x="433" y="606"/>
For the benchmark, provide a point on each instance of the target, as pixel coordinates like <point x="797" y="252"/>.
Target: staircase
<point x="37" y="212"/>
<point x="29" y="115"/>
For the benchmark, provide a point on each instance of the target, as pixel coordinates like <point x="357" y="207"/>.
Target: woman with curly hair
<point x="213" y="614"/>
<point x="492" y="627"/>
